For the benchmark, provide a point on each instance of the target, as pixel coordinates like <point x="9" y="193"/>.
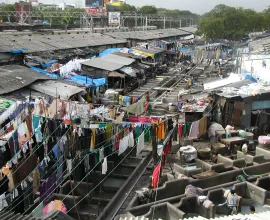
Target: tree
<point x="148" y="9"/>
<point x="230" y="23"/>
<point x="127" y="7"/>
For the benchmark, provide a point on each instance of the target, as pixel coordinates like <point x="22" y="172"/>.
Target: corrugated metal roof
<point x="56" y="42"/>
<point x="148" y="35"/>
<point x="109" y="62"/>
<point x="56" y="89"/>
<point x="14" y="77"/>
<point x="189" y="29"/>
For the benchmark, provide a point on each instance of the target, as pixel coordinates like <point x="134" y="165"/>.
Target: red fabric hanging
<point x="180" y="130"/>
<point x="155" y="176"/>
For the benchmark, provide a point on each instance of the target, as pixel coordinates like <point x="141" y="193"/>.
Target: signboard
<point x="114" y="18"/>
<point x="95" y="11"/>
<point x="94" y="3"/>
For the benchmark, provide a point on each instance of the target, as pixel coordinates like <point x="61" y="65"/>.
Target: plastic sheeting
<point x="114" y="50"/>
<point x="46" y="65"/>
<point x="86" y="81"/>
<point x="81" y="80"/>
<point x="44" y="72"/>
<point x="17" y="51"/>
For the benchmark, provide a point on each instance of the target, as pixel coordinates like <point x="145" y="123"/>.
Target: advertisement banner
<point x="114" y="18"/>
<point x="95" y="11"/>
<point x="94" y="3"/>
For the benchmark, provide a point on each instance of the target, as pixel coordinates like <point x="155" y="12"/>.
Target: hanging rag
<point x="140" y="145"/>
<point x="123" y="145"/>
<point x="155" y="176"/>
<point x="104" y="166"/>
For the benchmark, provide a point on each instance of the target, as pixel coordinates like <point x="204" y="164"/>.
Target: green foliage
<point x="8" y="7"/>
<point x="232" y="23"/>
<point x="148" y="9"/>
<point x="127" y="7"/>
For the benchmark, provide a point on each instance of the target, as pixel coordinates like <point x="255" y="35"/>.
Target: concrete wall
<point x="261" y="151"/>
<point x="250" y="191"/>
<point x="173" y="191"/>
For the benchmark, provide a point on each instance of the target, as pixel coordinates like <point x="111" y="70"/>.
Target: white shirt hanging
<point x="104" y="166"/>
<point x="140" y="145"/>
<point x="123" y="145"/>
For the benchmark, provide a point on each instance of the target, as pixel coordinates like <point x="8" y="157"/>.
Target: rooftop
<point x="56" y="42"/>
<point x="56" y="89"/>
<point x="109" y="62"/>
<point x="14" y="77"/>
<point x="149" y="35"/>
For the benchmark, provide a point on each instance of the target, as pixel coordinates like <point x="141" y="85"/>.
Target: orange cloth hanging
<point x="161" y="131"/>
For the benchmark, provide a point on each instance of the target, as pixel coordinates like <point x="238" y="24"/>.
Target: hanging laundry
<point x="180" y="130"/>
<point x="194" y="130"/>
<point x="131" y="139"/>
<point x="136" y="108"/>
<point x="104" y="166"/>
<point x="123" y="145"/>
<point x="101" y="154"/>
<point x="159" y="150"/>
<point x="155" y="176"/>
<point x="161" y="131"/>
<point x="140" y="144"/>
<point x="203" y="126"/>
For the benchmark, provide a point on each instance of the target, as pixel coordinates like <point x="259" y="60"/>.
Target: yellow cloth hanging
<point x="93" y="138"/>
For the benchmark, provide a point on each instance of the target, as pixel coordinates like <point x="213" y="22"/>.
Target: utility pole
<point x="180" y="23"/>
<point x="164" y="22"/>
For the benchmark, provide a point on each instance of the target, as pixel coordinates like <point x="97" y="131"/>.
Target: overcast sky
<point x="201" y="6"/>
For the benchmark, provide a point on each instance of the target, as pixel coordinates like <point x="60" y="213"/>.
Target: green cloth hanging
<point x="108" y="131"/>
<point x="96" y="154"/>
<point x="147" y="134"/>
<point x="137" y="132"/>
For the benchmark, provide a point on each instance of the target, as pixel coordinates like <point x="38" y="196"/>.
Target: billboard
<point x="94" y="3"/>
<point x="114" y="18"/>
<point x="95" y="11"/>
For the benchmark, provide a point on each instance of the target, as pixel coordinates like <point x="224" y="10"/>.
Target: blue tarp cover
<point x="46" y="65"/>
<point x="112" y="50"/>
<point x="90" y="82"/>
<point x="81" y="80"/>
<point x="17" y="51"/>
<point x="55" y="76"/>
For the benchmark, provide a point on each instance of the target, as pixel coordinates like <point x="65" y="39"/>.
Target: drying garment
<point x="203" y="126"/>
<point x="104" y="166"/>
<point x="47" y="188"/>
<point x="131" y="139"/>
<point x="140" y="144"/>
<point x="101" y="154"/>
<point x="194" y="131"/>
<point x="3" y="202"/>
<point x="155" y="176"/>
<point x="123" y="145"/>
<point x="136" y="108"/>
<point x="56" y="151"/>
<point x="69" y="166"/>
<point x="161" y="131"/>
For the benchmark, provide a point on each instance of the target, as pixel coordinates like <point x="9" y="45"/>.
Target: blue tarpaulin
<point x="86" y="81"/>
<point x="55" y="76"/>
<point x="250" y="77"/>
<point x="112" y="50"/>
<point x="81" y="80"/>
<point x="17" y="51"/>
<point x="46" y="65"/>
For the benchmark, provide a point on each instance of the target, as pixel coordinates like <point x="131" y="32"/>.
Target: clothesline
<point x="87" y="173"/>
<point x="101" y="180"/>
<point x="92" y="152"/>
<point x="59" y="166"/>
<point x="16" y="170"/>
